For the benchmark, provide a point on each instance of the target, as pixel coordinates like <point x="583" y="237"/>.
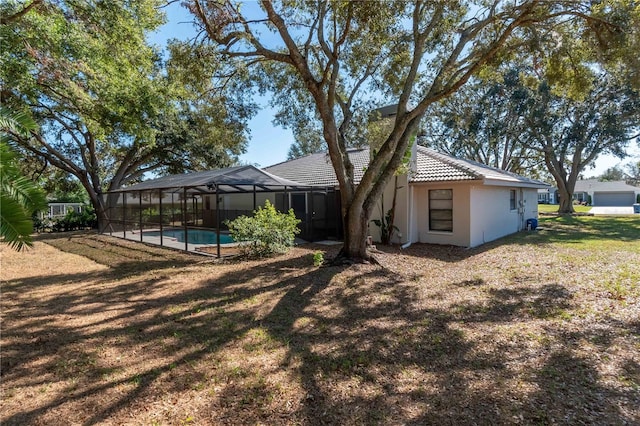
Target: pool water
<point x="196" y="236"/>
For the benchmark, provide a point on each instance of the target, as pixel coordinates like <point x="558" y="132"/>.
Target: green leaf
<point x="19" y="199"/>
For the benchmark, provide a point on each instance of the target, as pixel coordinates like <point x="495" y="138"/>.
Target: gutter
<point x="409" y="233"/>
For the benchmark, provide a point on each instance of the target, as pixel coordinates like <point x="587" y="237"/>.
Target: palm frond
<point x="24" y="191"/>
<point x="16" y="226"/>
<point x="19" y="122"/>
<point x="20" y="198"/>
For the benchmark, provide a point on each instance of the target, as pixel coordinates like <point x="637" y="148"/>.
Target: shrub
<point x="318" y="258"/>
<point x="39" y="225"/>
<point x="74" y="220"/>
<point x="386" y="227"/>
<point x="268" y="232"/>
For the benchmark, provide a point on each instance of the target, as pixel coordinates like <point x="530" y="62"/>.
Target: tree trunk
<point x="97" y="202"/>
<point x="392" y="211"/>
<point x="100" y="210"/>
<point x="565" y="193"/>
<point x="566" y="185"/>
<point x="565" y="201"/>
<point x="356" y="228"/>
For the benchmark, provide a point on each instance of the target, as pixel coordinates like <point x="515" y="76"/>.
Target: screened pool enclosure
<point x="189" y="211"/>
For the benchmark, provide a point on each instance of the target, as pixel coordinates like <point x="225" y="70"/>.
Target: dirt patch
<point x="510" y="333"/>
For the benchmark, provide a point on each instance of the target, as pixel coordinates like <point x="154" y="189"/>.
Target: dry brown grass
<point x="99" y="330"/>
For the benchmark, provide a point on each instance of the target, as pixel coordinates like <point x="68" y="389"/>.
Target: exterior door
<point x="298" y="202"/>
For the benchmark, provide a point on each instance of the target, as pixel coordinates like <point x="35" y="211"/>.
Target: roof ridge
<point x="281" y="179"/>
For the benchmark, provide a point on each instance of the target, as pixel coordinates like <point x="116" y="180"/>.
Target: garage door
<point x="616" y="199"/>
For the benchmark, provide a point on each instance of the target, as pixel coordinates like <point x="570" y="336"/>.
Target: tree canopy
<point x="109" y="108"/>
<point x="522" y="125"/>
<point x="571" y="134"/>
<point x="483" y="122"/>
<point x="612" y="174"/>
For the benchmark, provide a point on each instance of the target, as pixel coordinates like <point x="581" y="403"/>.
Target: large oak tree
<point x="483" y="121"/>
<point x="343" y="55"/>
<point x="109" y="108"/>
<point x="522" y="125"/>
<point x="571" y="134"/>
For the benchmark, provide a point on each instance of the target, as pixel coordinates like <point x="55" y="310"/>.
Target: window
<point x="441" y="210"/>
<point x="512" y="199"/>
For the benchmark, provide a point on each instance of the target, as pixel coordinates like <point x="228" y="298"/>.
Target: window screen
<point x="441" y="210"/>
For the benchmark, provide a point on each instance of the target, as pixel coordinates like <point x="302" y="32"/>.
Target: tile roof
<point x="436" y="167"/>
<point x="316" y="169"/>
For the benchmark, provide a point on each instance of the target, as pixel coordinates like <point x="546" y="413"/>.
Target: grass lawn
<point x="537" y="328"/>
<point x="553" y="208"/>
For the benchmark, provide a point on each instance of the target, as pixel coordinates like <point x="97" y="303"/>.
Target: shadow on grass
<point x="370" y="350"/>
<point x="138" y="318"/>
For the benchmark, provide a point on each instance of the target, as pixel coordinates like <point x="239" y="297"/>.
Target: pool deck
<point x="201" y="249"/>
<point x="169" y="242"/>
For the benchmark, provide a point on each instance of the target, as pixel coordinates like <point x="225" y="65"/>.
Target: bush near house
<point x="267" y="233"/>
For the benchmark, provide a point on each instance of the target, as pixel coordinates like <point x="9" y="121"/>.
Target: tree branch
<point x="4" y="20"/>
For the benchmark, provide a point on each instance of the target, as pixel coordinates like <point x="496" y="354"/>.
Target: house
<point x="614" y="193"/>
<point x="595" y="193"/>
<point x="442" y="200"/>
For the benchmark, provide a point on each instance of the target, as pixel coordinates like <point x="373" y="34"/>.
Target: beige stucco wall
<point x="461" y="200"/>
<point x="492" y="217"/>
<point x="241" y="201"/>
<point x="401" y="219"/>
<point x="530" y="203"/>
<point x="481" y="213"/>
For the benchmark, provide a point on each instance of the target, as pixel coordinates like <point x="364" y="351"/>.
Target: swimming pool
<point x="195" y="236"/>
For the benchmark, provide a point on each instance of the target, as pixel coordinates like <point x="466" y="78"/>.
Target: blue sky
<point x="268" y="143"/>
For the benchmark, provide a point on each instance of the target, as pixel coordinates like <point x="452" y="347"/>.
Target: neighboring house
<point x="548" y="196"/>
<point x="56" y="210"/>
<point x="614" y="193"/>
<point x="443" y="200"/>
